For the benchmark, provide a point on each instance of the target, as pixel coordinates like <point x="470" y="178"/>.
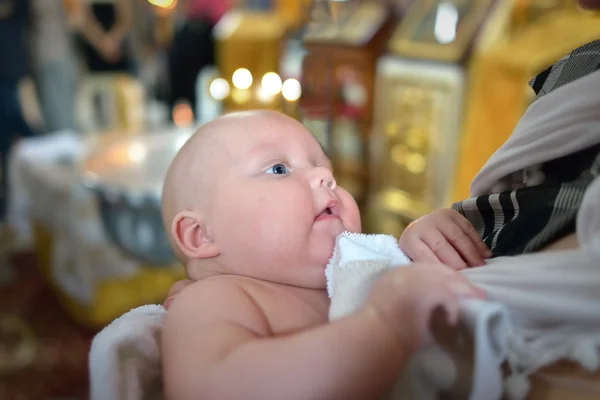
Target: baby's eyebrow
<point x="261" y="147"/>
<point x="258" y="150"/>
<point x="255" y="154"/>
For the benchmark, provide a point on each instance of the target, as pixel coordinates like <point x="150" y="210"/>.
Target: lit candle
<point x="291" y="92"/>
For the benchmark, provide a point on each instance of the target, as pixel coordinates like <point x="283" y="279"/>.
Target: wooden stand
<point x="446" y="99"/>
<point x="338" y="76"/>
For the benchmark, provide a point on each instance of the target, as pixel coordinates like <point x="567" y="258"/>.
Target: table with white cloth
<point x="50" y="208"/>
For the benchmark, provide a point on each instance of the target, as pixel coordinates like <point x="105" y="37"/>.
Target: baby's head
<point x="253" y="194"/>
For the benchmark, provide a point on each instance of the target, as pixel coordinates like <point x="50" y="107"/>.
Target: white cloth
<point x="124" y="358"/>
<point x="41" y="150"/>
<point x="544" y="308"/>
<point x="45" y="186"/>
<point x="359" y="259"/>
<point x="560" y="123"/>
<point x="588" y="218"/>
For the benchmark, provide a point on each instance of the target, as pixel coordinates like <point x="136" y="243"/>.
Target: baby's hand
<point x="446" y="237"/>
<point x="406" y="298"/>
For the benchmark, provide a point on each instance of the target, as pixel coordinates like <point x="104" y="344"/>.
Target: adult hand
<point x="444" y="236"/>
<point x="110" y="49"/>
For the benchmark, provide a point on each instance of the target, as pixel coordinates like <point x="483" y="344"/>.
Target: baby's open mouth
<point x="325" y="213"/>
<point x="329" y="210"/>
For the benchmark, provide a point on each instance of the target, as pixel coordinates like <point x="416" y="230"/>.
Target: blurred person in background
<point x="14" y="67"/>
<point x="105" y="27"/>
<point x="53" y="61"/>
<point x="192" y="47"/>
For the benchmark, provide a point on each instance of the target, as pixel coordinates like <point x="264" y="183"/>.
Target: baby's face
<point x="277" y="209"/>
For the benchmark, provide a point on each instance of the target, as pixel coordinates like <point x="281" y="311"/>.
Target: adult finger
<point x="470" y="231"/>
<point x="462" y="243"/>
<point x="443" y="250"/>
<point x="418" y="251"/>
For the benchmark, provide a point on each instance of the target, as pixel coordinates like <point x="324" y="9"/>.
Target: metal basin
<point x="126" y="176"/>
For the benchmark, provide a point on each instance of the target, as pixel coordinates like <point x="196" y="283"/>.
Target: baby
<point x="253" y="211"/>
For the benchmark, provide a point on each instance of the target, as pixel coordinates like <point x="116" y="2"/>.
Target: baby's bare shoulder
<point x="218" y="300"/>
<point x="205" y="323"/>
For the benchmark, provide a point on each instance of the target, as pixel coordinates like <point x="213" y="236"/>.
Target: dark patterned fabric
<point x="580" y="62"/>
<point x="542" y="203"/>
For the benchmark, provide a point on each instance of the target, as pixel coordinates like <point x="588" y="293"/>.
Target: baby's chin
<point x="329" y="248"/>
<point x="317" y="282"/>
<point x="326" y="252"/>
<point x="331" y="237"/>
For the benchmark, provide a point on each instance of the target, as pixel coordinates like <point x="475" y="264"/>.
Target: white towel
<point x="359" y="259"/>
<point x="125" y="359"/>
<point x="544" y="308"/>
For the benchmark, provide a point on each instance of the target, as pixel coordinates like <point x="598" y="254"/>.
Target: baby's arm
<point x="217" y="342"/>
<point x="217" y="345"/>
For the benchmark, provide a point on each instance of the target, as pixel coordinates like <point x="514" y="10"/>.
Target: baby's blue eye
<point x="277" y="169"/>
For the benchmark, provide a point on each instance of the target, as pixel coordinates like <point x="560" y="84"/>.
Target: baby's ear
<point x="189" y="234"/>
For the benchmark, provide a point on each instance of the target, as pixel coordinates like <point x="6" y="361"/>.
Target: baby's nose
<point x="323" y="177"/>
<point x="330" y="183"/>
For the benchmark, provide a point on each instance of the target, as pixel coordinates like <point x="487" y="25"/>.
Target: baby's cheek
<point x="350" y="213"/>
<point x="353" y="224"/>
